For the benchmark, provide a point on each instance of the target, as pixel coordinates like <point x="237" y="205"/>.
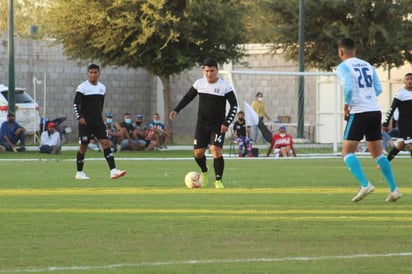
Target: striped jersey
<point x="89" y="101"/>
<point x="212" y="102"/>
<point x="403" y="102"/>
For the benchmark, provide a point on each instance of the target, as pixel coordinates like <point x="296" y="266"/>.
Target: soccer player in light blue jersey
<point x="361" y="87"/>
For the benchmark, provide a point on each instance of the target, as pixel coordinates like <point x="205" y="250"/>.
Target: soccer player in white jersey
<point x="212" y="121"/>
<point x="403" y="102"/>
<point x="361" y="86"/>
<point x="88" y="107"/>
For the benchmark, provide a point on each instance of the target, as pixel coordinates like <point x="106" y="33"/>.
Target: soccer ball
<point x="193" y="179"/>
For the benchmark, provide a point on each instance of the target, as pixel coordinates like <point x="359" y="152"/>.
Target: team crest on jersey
<point x="217" y="90"/>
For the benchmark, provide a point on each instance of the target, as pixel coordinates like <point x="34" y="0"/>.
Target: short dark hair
<point x="241" y="112"/>
<point x="93" y="66"/>
<point x="347" y="43"/>
<point x="408" y="74"/>
<point x="259" y="94"/>
<point x="10" y="114"/>
<point x="210" y="62"/>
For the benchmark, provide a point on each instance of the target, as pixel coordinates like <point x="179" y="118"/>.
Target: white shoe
<point x="80" y="175"/>
<point x="393" y="196"/>
<point x="115" y="173"/>
<point x="363" y="192"/>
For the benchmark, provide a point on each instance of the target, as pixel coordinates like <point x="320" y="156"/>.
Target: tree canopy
<point x="165" y="37"/>
<point x="26" y="13"/>
<point x="380" y="28"/>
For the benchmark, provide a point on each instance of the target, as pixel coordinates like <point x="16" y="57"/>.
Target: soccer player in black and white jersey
<point x="403" y="102"/>
<point x="212" y="120"/>
<point x="88" y="107"/>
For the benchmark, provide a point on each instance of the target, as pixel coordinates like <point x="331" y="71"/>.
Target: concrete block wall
<point x="136" y="91"/>
<point x="128" y="90"/>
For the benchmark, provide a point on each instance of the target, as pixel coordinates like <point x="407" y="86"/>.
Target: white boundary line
<point x="198" y="262"/>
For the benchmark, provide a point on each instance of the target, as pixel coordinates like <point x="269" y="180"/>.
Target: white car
<point x="27" y="110"/>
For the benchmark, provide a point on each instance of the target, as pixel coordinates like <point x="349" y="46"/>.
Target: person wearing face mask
<point x="241" y="134"/>
<point x="144" y="134"/>
<point x="282" y="144"/>
<point x="161" y="133"/>
<point x="130" y="140"/>
<point x="114" y="132"/>
<point x="260" y="108"/>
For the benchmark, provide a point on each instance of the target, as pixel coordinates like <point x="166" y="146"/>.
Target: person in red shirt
<point x="282" y="144"/>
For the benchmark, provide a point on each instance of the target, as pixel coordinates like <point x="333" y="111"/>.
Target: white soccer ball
<point x="193" y="179"/>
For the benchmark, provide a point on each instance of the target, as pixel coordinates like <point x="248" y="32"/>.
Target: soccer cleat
<point x="204" y="178"/>
<point x="80" y="175"/>
<point x="393" y="196"/>
<point x="219" y="184"/>
<point x="363" y="192"/>
<point x="115" y="173"/>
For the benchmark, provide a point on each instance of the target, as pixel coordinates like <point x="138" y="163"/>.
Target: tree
<point x="165" y="37"/>
<point x="380" y="28"/>
<point x="26" y="13"/>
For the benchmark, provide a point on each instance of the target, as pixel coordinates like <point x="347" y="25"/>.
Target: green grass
<point x="274" y="216"/>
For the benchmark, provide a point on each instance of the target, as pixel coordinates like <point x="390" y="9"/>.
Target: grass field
<point x="274" y="216"/>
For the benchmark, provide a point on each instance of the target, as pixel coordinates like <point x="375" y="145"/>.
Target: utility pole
<point x="301" y="82"/>
<point x="12" y="85"/>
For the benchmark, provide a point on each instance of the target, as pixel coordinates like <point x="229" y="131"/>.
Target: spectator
<point x="50" y="140"/>
<point x="114" y="132"/>
<point x="94" y="144"/>
<point x="161" y="133"/>
<point x="11" y="134"/>
<point x="129" y="137"/>
<point x="282" y="144"/>
<point x="260" y="108"/>
<point x="144" y="134"/>
<point x="241" y="133"/>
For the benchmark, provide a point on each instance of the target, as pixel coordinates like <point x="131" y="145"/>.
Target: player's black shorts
<point x="206" y="134"/>
<point x="366" y="124"/>
<point x="86" y="132"/>
<point x="405" y="130"/>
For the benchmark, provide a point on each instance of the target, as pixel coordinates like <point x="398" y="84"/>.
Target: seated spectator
<point x="114" y="132"/>
<point x="130" y="140"/>
<point x="241" y="134"/>
<point x="94" y="144"/>
<point x="11" y="134"/>
<point x="282" y="144"/>
<point x="386" y="138"/>
<point x="50" y="140"/>
<point x="144" y="134"/>
<point x="161" y="133"/>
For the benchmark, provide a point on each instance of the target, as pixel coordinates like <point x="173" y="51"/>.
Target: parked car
<point x="27" y="110"/>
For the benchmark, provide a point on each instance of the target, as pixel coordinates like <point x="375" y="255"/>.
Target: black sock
<point x="394" y="151"/>
<point x="201" y="162"/>
<point x="219" y="166"/>
<point x="108" y="154"/>
<point x="80" y="161"/>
